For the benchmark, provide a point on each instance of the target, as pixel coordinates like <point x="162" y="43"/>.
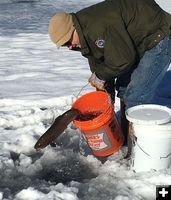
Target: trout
<point x="58" y="127"/>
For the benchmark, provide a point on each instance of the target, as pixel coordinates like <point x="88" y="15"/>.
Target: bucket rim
<point x="89" y="93"/>
<point x="138" y="113"/>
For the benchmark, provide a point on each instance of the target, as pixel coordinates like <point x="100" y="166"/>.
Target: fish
<point x="57" y="128"/>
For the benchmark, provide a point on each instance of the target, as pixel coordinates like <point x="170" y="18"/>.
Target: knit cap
<point x="61" y="28"/>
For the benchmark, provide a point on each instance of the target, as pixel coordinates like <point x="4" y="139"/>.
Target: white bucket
<point x="151" y="136"/>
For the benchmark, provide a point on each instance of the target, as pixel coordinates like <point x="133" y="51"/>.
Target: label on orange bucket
<point x="98" y="140"/>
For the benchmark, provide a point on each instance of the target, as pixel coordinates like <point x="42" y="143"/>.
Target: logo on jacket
<point x="100" y="43"/>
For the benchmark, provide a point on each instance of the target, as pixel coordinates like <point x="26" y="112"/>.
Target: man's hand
<point x="108" y="86"/>
<point x="96" y="82"/>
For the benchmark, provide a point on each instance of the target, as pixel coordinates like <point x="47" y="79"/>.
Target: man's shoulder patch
<point x="100" y="43"/>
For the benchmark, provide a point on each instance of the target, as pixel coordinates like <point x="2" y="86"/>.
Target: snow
<point x="37" y="83"/>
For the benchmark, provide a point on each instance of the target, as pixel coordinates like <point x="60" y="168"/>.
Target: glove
<point x="96" y="82"/>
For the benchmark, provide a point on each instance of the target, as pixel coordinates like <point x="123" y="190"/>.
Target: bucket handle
<point x="83" y="87"/>
<point x="135" y="140"/>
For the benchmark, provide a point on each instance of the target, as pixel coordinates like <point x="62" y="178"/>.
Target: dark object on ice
<point x="59" y="125"/>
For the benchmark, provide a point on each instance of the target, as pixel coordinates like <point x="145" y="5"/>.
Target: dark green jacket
<point x="114" y="34"/>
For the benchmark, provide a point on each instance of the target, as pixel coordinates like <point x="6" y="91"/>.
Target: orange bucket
<point x="98" y="123"/>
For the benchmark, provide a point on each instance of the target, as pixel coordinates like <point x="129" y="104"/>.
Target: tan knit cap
<point x="61" y="28"/>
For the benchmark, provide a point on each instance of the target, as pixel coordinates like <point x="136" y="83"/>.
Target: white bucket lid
<point x="149" y="114"/>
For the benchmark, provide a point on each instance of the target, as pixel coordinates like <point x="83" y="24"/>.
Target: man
<point x="124" y="40"/>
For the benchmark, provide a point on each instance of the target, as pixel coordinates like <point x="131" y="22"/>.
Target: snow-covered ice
<point x="37" y="83"/>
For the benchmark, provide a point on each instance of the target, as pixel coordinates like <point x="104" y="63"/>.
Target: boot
<point x="124" y="121"/>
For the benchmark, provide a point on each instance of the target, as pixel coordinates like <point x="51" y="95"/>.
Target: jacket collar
<point x="84" y="47"/>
